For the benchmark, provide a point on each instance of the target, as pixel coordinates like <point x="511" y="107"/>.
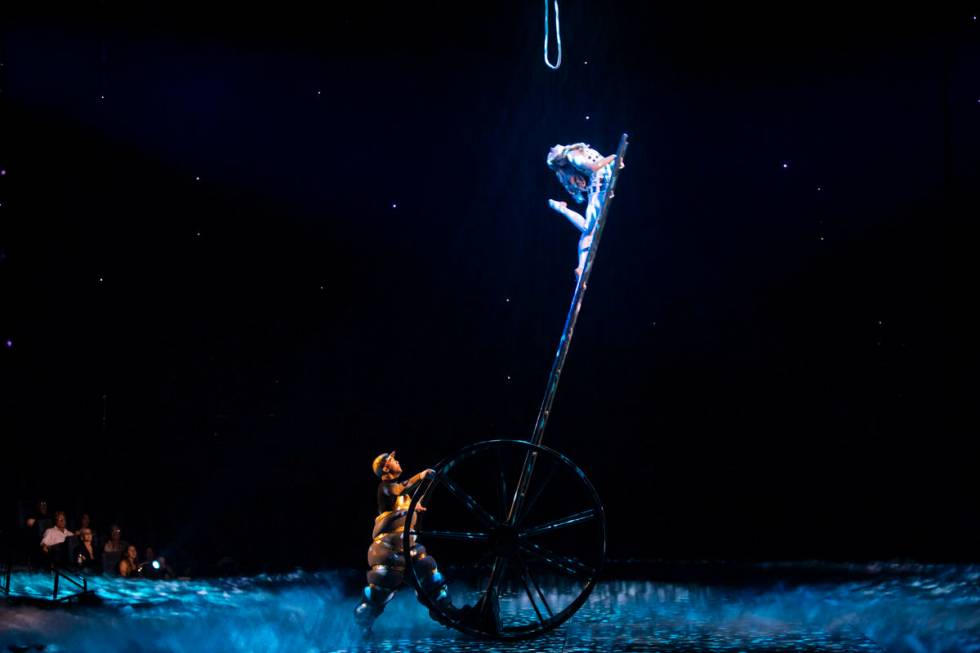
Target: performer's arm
<point x="409" y="485"/>
<point x="575" y="218"/>
<point x="578" y="159"/>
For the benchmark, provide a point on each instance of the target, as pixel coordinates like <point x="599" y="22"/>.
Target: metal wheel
<point x="519" y="534"/>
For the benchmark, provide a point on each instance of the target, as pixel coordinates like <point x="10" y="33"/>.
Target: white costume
<point x="574" y="165"/>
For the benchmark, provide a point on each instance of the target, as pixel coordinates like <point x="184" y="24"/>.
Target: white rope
<point x="557" y="36"/>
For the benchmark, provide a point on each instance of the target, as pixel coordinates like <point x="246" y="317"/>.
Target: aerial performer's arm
<point x="580" y="158"/>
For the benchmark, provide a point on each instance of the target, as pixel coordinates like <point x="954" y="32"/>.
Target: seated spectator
<point x="113" y="550"/>
<point x="129" y="566"/>
<point x="154" y="567"/>
<point x="31" y="519"/>
<point x="84" y="522"/>
<point x="166" y="569"/>
<point x="53" y="542"/>
<point x="39" y="513"/>
<point x="86" y="557"/>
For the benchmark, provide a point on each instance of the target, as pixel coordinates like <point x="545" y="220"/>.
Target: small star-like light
<point x="785" y="165"/>
<point x="587" y="117"/>
<point x="100" y="279"/>
<point x="197" y="179"/>
<point x="198" y="234"/>
<point x="394" y="206"/>
<point x="507" y="300"/>
<point x="3" y="173"/>
<point x="101" y="97"/>
<point x="508" y="378"/>
<point x="586" y="62"/>
<point x="879" y="322"/>
<point x="319" y="92"/>
<point x="821" y="237"/>
<point x="10" y="344"/>
<point x="819" y="188"/>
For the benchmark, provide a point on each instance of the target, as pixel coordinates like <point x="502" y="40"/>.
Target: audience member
<point x="113" y="550"/>
<point x="33" y="522"/>
<point x="38" y="514"/>
<point x="87" y="558"/>
<point x="166" y="569"/>
<point x="53" y="542"/>
<point x="129" y="565"/>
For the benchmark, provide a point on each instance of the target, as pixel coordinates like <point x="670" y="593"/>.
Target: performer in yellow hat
<point x="385" y="555"/>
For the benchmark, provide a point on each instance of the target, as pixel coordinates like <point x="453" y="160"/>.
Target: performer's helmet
<point x="379" y="463"/>
<point x="556" y="156"/>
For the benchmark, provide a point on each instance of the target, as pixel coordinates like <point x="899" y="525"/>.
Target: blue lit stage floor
<point x="816" y="607"/>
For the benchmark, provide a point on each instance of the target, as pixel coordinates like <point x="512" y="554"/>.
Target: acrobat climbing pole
<point x="577" y="297"/>
<point x="566" y="336"/>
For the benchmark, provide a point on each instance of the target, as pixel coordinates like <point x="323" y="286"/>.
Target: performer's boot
<point x="373" y="602"/>
<point x="434" y="586"/>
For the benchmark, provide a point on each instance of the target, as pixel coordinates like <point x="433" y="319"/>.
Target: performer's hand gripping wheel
<point x="526" y="537"/>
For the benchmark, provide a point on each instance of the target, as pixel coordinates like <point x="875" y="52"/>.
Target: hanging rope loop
<point x="547" y="59"/>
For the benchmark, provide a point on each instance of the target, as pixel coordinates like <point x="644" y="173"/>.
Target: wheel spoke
<point x="530" y="597"/>
<point x="502" y="486"/>
<point x="496" y="573"/>
<point x="537" y="494"/>
<point x="479" y="511"/>
<point x="453" y="535"/>
<point x="537" y="588"/>
<point x="567" y="564"/>
<point x="564" y="522"/>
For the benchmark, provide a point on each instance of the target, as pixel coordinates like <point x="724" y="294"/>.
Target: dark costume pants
<point x="387" y="572"/>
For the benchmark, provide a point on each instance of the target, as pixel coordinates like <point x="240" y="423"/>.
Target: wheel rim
<point x="522" y="567"/>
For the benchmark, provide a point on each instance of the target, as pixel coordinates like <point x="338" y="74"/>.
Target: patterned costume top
<point x="574" y="173"/>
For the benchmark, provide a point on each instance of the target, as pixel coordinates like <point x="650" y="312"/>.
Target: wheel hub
<point x="504" y="541"/>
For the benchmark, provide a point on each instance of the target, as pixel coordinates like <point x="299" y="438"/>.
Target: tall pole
<point x="544" y="412"/>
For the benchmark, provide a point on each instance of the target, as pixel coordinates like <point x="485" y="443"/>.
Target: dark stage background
<point x="243" y="251"/>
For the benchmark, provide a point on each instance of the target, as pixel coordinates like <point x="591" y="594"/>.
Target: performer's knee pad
<point x="429" y="576"/>
<point x="424" y="566"/>
<point x="386" y="577"/>
<point x="377" y="597"/>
